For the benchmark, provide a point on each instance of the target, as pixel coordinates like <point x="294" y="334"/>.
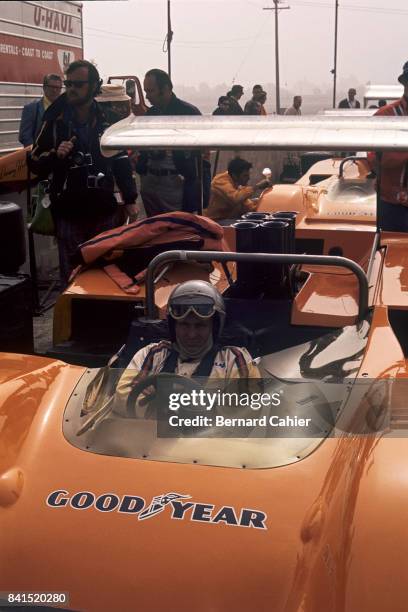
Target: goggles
<point x="203" y="310"/>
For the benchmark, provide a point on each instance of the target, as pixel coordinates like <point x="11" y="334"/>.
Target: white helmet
<point x="199" y="297"/>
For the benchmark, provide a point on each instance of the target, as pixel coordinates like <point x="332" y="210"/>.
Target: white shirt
<point x="293" y="111"/>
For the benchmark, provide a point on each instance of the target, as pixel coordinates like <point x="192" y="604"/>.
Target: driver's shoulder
<point x="150" y="351"/>
<point x="234" y="352"/>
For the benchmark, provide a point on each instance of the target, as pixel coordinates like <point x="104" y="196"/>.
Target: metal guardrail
<point x="209" y="256"/>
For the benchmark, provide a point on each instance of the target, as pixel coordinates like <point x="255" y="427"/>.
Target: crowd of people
<point x="90" y="193"/>
<point x="230" y="105"/>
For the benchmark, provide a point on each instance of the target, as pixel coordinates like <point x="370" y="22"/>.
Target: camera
<point x="80" y="159"/>
<point x="45" y="186"/>
<point x="96" y="182"/>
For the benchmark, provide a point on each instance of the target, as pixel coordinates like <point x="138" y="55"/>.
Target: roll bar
<point x="210" y="256"/>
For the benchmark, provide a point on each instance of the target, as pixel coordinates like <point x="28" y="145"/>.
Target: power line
<point x="184" y="42"/>
<point x="346" y="7"/>
<point x="249" y="50"/>
<point x="349" y="7"/>
<point x="159" y="43"/>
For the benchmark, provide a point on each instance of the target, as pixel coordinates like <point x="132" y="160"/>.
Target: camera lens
<point x="78" y="158"/>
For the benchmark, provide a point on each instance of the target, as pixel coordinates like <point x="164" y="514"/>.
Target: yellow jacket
<point x="228" y="201"/>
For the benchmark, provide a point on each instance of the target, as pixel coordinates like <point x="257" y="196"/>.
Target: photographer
<point x="82" y="181"/>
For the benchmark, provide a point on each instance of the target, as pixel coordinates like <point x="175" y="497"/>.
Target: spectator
<point x="252" y="107"/>
<point x="169" y="179"/>
<point x="32" y="115"/>
<point x="262" y="99"/>
<point x="382" y="103"/>
<point x="295" y="108"/>
<point x="257" y="89"/>
<point x="351" y="101"/>
<point x="393" y="207"/>
<point x="114" y="102"/>
<point x="259" y="92"/>
<point x="230" y="193"/>
<point x="82" y="180"/>
<point x="255" y="105"/>
<point x="224" y="107"/>
<point x="236" y="93"/>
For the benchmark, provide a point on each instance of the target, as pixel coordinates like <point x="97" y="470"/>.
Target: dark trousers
<point x="73" y="232"/>
<point x="392" y="217"/>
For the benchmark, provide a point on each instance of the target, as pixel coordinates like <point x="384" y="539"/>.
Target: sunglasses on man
<point x="55" y="87"/>
<point x="76" y="84"/>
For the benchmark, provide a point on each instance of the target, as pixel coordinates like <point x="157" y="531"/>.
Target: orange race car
<point x="298" y="507"/>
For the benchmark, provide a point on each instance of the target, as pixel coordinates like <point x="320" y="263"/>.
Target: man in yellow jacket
<point x="230" y="194"/>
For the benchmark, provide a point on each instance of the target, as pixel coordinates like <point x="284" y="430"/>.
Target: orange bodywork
<point x="334" y="520"/>
<point x="14" y="171"/>
<point x="330" y="203"/>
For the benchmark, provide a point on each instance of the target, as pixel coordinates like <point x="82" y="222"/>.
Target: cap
<point x="112" y="93"/>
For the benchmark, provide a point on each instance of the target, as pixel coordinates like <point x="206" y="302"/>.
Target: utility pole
<point x="277" y="9"/>
<point x="169" y="39"/>
<point x="334" y="71"/>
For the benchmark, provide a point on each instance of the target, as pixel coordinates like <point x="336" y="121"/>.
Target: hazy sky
<point x="218" y="41"/>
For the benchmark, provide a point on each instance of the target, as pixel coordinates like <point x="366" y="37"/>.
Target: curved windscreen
<point x="253" y="423"/>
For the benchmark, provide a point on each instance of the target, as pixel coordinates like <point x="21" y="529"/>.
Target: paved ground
<point x="43" y="325"/>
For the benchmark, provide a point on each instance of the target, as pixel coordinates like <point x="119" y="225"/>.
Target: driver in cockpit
<point x="196" y="317"/>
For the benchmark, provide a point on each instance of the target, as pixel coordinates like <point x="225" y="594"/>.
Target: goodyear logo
<point x="180" y="507"/>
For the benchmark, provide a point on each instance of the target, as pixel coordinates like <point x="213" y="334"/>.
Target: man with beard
<point x="82" y="181"/>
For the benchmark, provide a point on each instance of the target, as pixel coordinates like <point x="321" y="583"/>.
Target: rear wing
<point x="348" y="112"/>
<point x="317" y="133"/>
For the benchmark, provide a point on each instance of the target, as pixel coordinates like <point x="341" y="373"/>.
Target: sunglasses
<point x="76" y="84"/>
<point x="180" y="311"/>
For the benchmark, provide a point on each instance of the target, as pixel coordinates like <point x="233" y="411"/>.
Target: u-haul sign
<point x="36" y="40"/>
